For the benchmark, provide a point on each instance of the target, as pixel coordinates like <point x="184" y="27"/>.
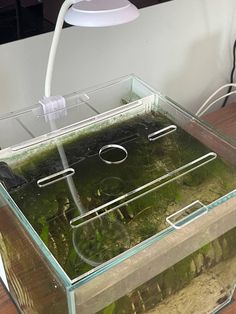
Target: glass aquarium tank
<point x="116" y="201"/>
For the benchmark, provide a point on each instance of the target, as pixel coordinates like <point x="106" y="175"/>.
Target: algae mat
<point x="49" y="209"/>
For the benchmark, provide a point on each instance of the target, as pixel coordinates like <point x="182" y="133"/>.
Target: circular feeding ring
<point x="107" y="148"/>
<point x="101" y="239"/>
<point x="112" y="186"/>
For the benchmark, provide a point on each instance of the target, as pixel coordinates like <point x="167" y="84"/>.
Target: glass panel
<point x="33" y="284"/>
<point x="126" y="173"/>
<point x="200" y="283"/>
<point x="90" y="192"/>
<point x="32" y="122"/>
<point x="192" y="124"/>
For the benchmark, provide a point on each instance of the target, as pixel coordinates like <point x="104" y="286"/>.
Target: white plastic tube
<point x="215" y="101"/>
<point x="202" y="109"/>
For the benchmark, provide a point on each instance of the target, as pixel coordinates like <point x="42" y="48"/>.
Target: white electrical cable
<point x="198" y="113"/>
<point x="215" y="101"/>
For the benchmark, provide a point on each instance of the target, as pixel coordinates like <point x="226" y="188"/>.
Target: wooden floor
<point x="231" y="308"/>
<point x="225" y="120"/>
<point x="7" y="306"/>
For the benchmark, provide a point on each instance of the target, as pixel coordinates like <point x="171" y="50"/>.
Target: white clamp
<point x="54" y="107"/>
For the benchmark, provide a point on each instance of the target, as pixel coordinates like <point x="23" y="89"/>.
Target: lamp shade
<point x="101" y="13"/>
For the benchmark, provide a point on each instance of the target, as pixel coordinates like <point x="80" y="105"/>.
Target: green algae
<point x="50" y="209"/>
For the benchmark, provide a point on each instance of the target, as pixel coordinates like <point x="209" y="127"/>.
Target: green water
<point x="50" y="209"/>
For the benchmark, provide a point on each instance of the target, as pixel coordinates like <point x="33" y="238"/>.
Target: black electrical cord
<point x="231" y="75"/>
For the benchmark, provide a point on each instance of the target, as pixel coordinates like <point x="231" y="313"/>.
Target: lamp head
<point x="100" y="13"/>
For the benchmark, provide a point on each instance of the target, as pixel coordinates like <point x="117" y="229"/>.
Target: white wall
<point x="183" y="48"/>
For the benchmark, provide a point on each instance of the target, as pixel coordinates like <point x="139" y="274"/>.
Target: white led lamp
<point x="88" y="13"/>
<point x="101" y="13"/>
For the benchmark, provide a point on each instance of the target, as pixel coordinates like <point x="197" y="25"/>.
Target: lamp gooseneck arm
<point x="56" y="36"/>
<point x="51" y="60"/>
